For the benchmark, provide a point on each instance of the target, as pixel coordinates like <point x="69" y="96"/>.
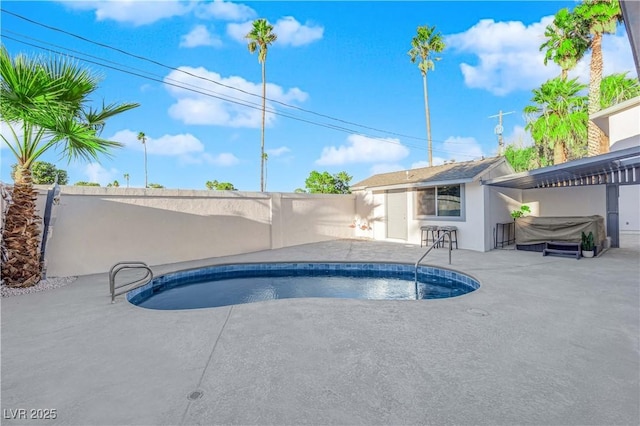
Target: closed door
<point x="397" y="214"/>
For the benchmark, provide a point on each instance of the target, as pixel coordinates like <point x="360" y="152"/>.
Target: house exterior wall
<point x="623" y="125"/>
<point x="93" y="228"/>
<point x="629" y="206"/>
<point x="471" y="227"/>
<point x="568" y="201"/>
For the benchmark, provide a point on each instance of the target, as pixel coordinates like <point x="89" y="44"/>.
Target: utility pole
<point x="499" y="129"/>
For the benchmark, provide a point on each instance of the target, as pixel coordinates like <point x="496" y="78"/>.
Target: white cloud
<point x="276" y="152"/>
<point x="196" y="108"/>
<point x="362" y="149"/>
<point x="385" y="168"/>
<point x="131" y="11"/>
<point x="95" y="172"/>
<point x="225" y="159"/>
<point x="170" y="145"/>
<point x="509" y="56"/>
<point x="290" y="32"/>
<point x="225" y="10"/>
<point x="238" y="31"/>
<point x="200" y="36"/>
<point x="461" y="149"/>
<point x="518" y="136"/>
<point x="437" y="161"/>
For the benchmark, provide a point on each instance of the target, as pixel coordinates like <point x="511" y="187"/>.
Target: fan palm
<point x="143" y="138"/>
<point x="599" y="17"/>
<point x="566" y="41"/>
<point x="43" y="103"/>
<point x="425" y="45"/>
<point x="558" y="119"/>
<point x="616" y="88"/>
<point x="260" y="38"/>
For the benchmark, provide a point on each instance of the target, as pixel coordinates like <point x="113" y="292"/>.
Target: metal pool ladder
<point x="139" y="282"/>
<point x="435" y="243"/>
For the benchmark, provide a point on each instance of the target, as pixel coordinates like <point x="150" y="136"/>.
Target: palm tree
<point x="599" y="17"/>
<point x="616" y="88"/>
<point x="260" y="38"/>
<point x="43" y="102"/>
<point x="126" y="177"/>
<point x="566" y="41"/>
<point x="424" y="45"/>
<point x="265" y="156"/>
<point x="143" y="138"/>
<point x="558" y="119"/>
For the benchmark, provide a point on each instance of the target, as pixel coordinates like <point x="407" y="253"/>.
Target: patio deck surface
<point x="545" y="340"/>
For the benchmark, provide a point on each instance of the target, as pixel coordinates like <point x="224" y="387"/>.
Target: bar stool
<point x="453" y="234"/>
<point x="425" y="232"/>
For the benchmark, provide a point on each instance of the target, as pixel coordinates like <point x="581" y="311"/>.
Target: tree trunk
<point x="426" y="112"/>
<point x="146" y="183"/>
<point x="595" y="77"/>
<point x="559" y="156"/>
<point x="264" y="106"/>
<point x="21" y="235"/>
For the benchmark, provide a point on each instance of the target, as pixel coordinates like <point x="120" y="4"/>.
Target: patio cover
<point x="616" y="167"/>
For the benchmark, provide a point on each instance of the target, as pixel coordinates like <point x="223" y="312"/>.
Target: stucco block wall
<point x="93" y="228"/>
<point x="308" y="219"/>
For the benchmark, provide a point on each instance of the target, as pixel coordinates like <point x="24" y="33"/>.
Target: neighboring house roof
<point x="444" y="174"/>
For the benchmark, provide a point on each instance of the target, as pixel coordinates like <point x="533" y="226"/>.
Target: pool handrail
<point x="435" y="243"/>
<point x="130" y="285"/>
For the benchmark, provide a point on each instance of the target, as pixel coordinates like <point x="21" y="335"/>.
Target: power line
<point x="143" y="58"/>
<point x="201" y="90"/>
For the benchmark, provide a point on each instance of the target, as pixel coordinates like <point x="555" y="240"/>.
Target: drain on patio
<point x="195" y="395"/>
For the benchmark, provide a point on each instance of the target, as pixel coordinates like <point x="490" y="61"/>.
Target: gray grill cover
<point x="536" y="230"/>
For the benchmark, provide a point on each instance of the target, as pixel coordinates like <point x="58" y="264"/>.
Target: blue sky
<point x="337" y="60"/>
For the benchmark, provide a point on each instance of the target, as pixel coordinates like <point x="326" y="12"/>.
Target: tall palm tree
<point x="266" y="168"/>
<point x="558" y="119"/>
<point x="126" y="177"/>
<point x="599" y="17"/>
<point x="260" y="38"/>
<point x="567" y="41"/>
<point x="143" y="138"/>
<point x="43" y="102"/>
<point x="425" y="45"/>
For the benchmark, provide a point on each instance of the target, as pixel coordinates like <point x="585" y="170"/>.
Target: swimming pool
<point x="225" y="285"/>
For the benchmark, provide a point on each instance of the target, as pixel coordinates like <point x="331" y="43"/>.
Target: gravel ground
<point x="43" y="285"/>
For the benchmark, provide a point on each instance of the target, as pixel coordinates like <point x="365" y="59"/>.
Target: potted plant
<point x="524" y="209"/>
<point x="587" y="245"/>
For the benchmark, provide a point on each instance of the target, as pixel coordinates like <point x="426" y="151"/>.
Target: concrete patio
<point x="545" y="340"/>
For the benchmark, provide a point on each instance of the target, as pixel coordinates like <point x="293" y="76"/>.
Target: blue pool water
<point x="226" y="285"/>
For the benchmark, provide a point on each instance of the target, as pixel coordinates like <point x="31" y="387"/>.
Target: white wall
<point x="568" y="201"/>
<point x="471" y="230"/>
<point x="629" y="208"/>
<point x="93" y="228"/>
<point x="624" y="124"/>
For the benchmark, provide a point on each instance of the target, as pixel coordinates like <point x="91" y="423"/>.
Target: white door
<point x="397" y="214"/>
